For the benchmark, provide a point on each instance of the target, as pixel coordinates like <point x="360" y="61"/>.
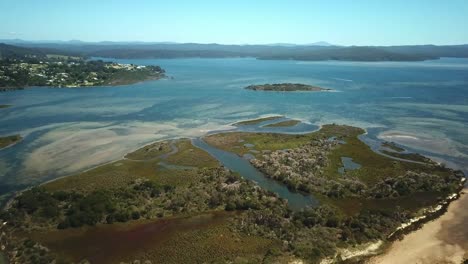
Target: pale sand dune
<point x="444" y="240"/>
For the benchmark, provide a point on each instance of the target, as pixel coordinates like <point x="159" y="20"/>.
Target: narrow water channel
<point x="242" y="166"/>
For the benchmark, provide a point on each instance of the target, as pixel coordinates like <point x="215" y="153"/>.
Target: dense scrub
<point x="218" y="188"/>
<point x="412" y="182"/>
<point x="39" y="210"/>
<point x="315" y="233"/>
<point x="360" y="206"/>
<point x="303" y="169"/>
<point x="312" y="168"/>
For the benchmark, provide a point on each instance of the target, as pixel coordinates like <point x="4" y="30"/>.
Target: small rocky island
<point x="286" y="87"/>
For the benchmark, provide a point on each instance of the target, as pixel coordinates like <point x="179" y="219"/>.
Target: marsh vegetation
<point x="215" y="214"/>
<point x="9" y="140"/>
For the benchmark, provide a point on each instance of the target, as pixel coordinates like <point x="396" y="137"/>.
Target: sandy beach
<point x="444" y="240"/>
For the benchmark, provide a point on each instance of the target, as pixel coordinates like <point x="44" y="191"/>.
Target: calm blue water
<point x="348" y="165"/>
<point x="421" y="105"/>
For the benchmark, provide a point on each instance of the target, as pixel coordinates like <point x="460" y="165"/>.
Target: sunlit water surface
<point x="421" y="105"/>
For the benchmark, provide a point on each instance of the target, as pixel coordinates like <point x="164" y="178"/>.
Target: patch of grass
<point x="189" y="155"/>
<point x="214" y="244"/>
<point x="392" y="146"/>
<point x="194" y="239"/>
<point x="9" y="140"/>
<point x="110" y="176"/>
<point x="121" y="173"/>
<point x="151" y="151"/>
<point x="287" y="123"/>
<point x="256" y="121"/>
<point x="175" y="177"/>
<point x="408" y="156"/>
<point x="191" y="226"/>
<point x="234" y="141"/>
<point x="144" y="165"/>
<point x="129" y="77"/>
<point x="374" y="167"/>
<point x="352" y="206"/>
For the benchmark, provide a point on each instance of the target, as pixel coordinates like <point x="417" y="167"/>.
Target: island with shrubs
<point x="8" y="141"/>
<point x="171" y="195"/>
<point x="286" y="87"/>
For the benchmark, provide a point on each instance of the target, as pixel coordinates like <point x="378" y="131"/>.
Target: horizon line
<point x="317" y="43"/>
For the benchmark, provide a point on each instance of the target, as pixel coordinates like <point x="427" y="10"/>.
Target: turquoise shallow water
<point x="421" y="105"/>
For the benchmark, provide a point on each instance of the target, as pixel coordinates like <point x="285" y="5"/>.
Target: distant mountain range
<point x="79" y="42"/>
<point x="22" y="52"/>
<point x="318" y="51"/>
<point x="319" y="43"/>
<point x="9" y="52"/>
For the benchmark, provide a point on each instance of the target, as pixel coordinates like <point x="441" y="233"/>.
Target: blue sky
<point x="344" y="22"/>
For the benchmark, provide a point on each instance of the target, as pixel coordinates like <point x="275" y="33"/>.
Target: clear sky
<point x="343" y="22"/>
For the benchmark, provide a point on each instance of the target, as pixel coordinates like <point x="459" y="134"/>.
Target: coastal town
<point x="69" y="71"/>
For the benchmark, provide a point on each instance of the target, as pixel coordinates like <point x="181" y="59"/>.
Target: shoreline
<point x="380" y="251"/>
<point x="430" y="214"/>
<point x="11" y="89"/>
<point x="440" y="237"/>
<point x="363" y="251"/>
<point x="17" y="193"/>
<point x="286" y="87"/>
<point x="108" y="162"/>
<point x="21" y="138"/>
<point x="206" y="133"/>
<point x="13" y="144"/>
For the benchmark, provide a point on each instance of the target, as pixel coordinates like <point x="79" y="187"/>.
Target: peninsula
<point x="286" y="123"/>
<point x="171" y="194"/>
<point x="286" y="87"/>
<point x="256" y="121"/>
<point x="22" y="67"/>
<point x="9" y="140"/>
